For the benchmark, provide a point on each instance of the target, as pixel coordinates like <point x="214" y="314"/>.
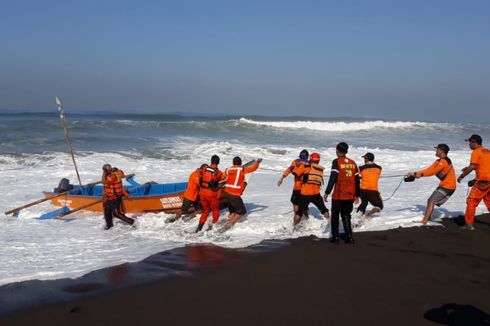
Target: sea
<point x="167" y="148"/>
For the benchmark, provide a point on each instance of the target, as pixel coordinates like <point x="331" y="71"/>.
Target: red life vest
<point x="345" y="187"/>
<point x="208" y="179"/>
<point x="113" y="186"/>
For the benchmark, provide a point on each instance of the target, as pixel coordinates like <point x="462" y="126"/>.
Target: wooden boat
<point x="149" y="197"/>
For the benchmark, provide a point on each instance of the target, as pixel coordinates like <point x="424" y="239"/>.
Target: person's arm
<point x="288" y="171"/>
<point x="253" y="168"/>
<point x="435" y="168"/>
<point x="333" y="178"/>
<point x="465" y="171"/>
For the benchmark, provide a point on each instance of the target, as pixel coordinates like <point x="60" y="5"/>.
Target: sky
<point x="412" y="60"/>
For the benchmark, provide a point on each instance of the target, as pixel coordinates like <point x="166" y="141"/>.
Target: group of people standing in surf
<point x="348" y="184"/>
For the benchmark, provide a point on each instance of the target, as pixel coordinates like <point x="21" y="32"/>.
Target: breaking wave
<point x="340" y="126"/>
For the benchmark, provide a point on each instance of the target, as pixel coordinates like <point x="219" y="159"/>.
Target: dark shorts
<point x="187" y="204"/>
<point x="317" y="200"/>
<point x="235" y="204"/>
<point x="295" y="197"/>
<point x="373" y="197"/>
<point x="440" y="196"/>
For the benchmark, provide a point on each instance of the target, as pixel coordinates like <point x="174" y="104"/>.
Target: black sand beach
<point x="417" y="276"/>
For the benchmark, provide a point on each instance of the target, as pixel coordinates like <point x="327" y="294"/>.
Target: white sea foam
<point x="337" y="126"/>
<point x="77" y="244"/>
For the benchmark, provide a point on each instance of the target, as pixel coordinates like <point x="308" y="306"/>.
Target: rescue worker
<point x="112" y="196"/>
<point x="480" y="163"/>
<point x="443" y="169"/>
<point x="370" y="173"/>
<point x="302" y="159"/>
<point x="208" y="192"/>
<point x="311" y="176"/>
<point x="234" y="188"/>
<point x="345" y="177"/>
<point x="190" y="204"/>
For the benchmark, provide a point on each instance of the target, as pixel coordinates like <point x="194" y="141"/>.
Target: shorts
<point x="440" y="196"/>
<point x="373" y="197"/>
<point x="235" y="204"/>
<point x="317" y="200"/>
<point x="295" y="197"/>
<point x="186" y="205"/>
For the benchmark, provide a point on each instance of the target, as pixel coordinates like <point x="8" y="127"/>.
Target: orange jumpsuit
<point x="208" y="193"/>
<point x="481" y="190"/>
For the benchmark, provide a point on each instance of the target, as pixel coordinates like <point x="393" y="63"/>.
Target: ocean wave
<point x="339" y="126"/>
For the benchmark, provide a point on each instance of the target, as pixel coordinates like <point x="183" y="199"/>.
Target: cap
<point x="304" y="154"/>
<point x="444" y="147"/>
<point x="315" y="157"/>
<point x="107" y="167"/>
<point x="475" y="138"/>
<point x="369" y="156"/>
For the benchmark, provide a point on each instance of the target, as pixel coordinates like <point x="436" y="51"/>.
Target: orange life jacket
<point x="314" y="175"/>
<point x="113" y="186"/>
<point x="345" y="187"/>
<point x="235" y="177"/>
<point x="209" y="179"/>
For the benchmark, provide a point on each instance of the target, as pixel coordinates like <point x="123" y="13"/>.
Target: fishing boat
<point x="144" y="198"/>
<point x="148" y="197"/>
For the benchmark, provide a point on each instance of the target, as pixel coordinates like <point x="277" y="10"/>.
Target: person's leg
<point x="205" y="212"/>
<point x="472" y="202"/>
<point x="364" y="202"/>
<point x="377" y="202"/>
<point x="486" y="200"/>
<point x="303" y="205"/>
<point x="428" y="211"/>
<point x="318" y="201"/>
<point x="108" y="216"/>
<point x="214" y="205"/>
<point x="345" y="212"/>
<point x="335" y="221"/>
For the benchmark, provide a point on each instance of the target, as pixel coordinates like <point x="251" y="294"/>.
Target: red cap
<point x="315" y="157"/>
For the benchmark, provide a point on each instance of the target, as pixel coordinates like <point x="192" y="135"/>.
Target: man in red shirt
<point x="345" y="177"/>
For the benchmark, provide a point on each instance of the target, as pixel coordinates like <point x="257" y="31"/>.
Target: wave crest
<point x="339" y="126"/>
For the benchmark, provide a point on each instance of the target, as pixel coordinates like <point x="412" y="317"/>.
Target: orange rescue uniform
<point x="208" y="193"/>
<point x="443" y="169"/>
<point x="302" y="172"/>
<point x="370" y="174"/>
<point x="297" y="180"/>
<point x="480" y="157"/>
<point x="235" y="178"/>
<point x="192" y="190"/>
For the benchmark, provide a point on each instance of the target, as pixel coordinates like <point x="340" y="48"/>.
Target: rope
<point x="394" y="191"/>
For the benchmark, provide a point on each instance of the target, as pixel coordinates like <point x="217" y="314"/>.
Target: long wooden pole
<point x="68" y="140"/>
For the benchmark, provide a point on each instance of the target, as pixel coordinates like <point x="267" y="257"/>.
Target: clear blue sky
<point x="422" y="60"/>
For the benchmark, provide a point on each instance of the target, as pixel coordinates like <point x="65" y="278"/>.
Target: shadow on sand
<point x="457" y="314"/>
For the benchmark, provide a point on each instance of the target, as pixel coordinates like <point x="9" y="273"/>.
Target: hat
<point x="444" y="147"/>
<point x="304" y="154"/>
<point x="315" y="157"/>
<point x="369" y="156"/>
<point x="475" y="138"/>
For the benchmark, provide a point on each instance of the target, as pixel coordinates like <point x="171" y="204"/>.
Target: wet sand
<point x="415" y="276"/>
